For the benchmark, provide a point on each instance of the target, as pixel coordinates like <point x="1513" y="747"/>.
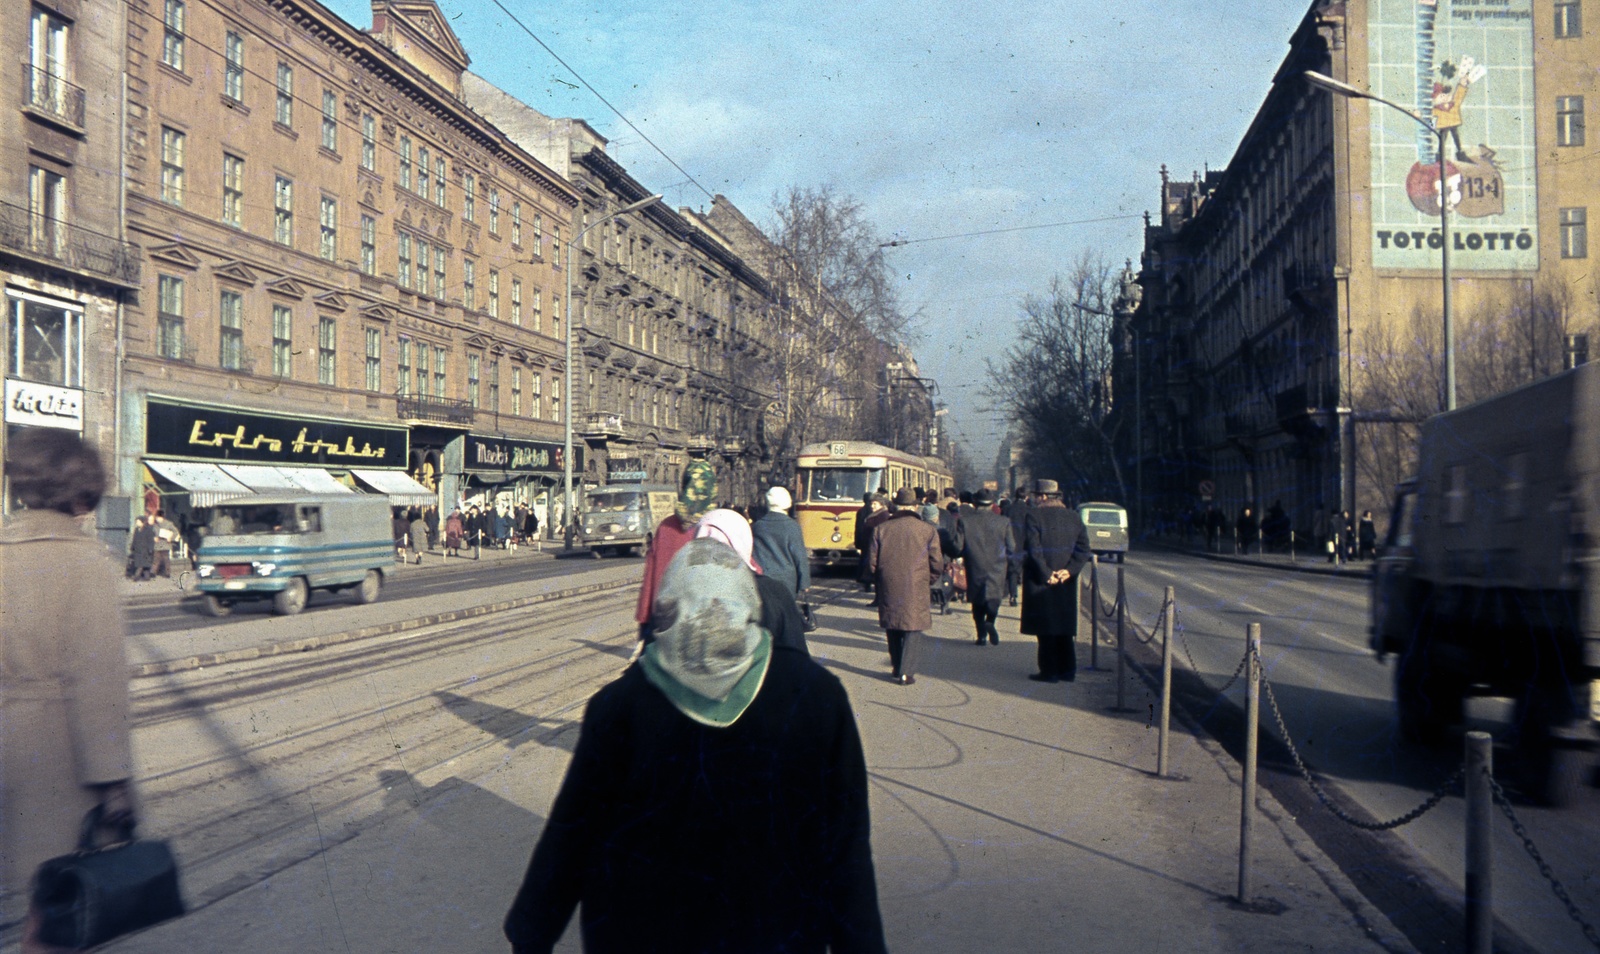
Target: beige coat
<point x="63" y="689"/>
<point x="905" y="559"/>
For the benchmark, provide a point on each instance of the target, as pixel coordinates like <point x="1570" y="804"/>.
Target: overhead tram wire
<point x="896" y="243"/>
<point x="597" y="95"/>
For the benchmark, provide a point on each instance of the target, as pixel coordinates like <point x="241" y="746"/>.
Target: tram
<point x="833" y="480"/>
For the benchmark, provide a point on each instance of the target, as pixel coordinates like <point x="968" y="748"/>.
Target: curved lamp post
<point x="566" y="459"/>
<point x="1339" y="88"/>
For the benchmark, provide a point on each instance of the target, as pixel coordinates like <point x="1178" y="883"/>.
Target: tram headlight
<point x="836" y="537"/>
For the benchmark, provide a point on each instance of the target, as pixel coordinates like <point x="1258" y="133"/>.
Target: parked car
<point x="1107" y="524"/>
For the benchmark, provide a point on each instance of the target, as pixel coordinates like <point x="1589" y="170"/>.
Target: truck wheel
<point x="1549" y="770"/>
<point x="216" y="607"/>
<point x="291" y="599"/>
<point x="1421" y="711"/>
<point x="1569" y="774"/>
<point x="370" y="585"/>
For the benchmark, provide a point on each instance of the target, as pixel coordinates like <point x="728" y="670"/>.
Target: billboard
<point x="1466" y="66"/>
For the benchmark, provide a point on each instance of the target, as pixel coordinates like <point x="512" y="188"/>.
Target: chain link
<point x="1428" y="803"/>
<point x="1556" y="887"/>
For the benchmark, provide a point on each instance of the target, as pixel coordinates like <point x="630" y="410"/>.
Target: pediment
<point x="287" y="287"/>
<point x="332" y="301"/>
<point x="379" y="312"/>
<point x="176" y="254"/>
<point x="238" y="271"/>
<point x="519" y="355"/>
<point x="479" y="341"/>
<point x="424" y="19"/>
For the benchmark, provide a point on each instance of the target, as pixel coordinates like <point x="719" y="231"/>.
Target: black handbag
<point x="808" y="619"/>
<point x="96" y="894"/>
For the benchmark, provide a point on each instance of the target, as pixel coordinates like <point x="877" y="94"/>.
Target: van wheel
<point x="291" y="599"/>
<point x="216" y="607"/>
<point x="367" y="590"/>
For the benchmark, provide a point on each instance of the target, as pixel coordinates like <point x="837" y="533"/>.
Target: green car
<point x="1107" y="524"/>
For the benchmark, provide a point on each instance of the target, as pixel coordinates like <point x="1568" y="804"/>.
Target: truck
<point x="1487" y="582"/>
<point x="622" y="518"/>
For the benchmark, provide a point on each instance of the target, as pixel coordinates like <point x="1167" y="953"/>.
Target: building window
<point x="283" y="211"/>
<point x="369" y="245"/>
<point x="538" y="233"/>
<point x="282" y="341"/>
<point x="327" y="357"/>
<point x="369" y="141"/>
<point x="47" y="55"/>
<point x="438" y="181"/>
<point x="1575" y="233"/>
<point x="172" y="143"/>
<point x="555" y="317"/>
<point x="438" y="372"/>
<point x="494" y="293"/>
<point x="405" y="162"/>
<point x="46" y="341"/>
<point x="472" y="379"/>
<point x="422" y="370"/>
<point x="536" y="406"/>
<point x="47" y="211"/>
<point x="1569" y="120"/>
<point x="233" y="190"/>
<point x="516" y="223"/>
<point x="424" y="263"/>
<point x="516" y="392"/>
<point x="285" y="114"/>
<point x="172" y="42"/>
<point x="538" y="310"/>
<point x="422" y="171"/>
<point x="469" y="284"/>
<point x="494" y="385"/>
<point x="328" y="247"/>
<point x="555" y="244"/>
<point x="1569" y="19"/>
<point x="169" y="318"/>
<point x="494" y="211"/>
<point x="233" y="68"/>
<point x="516" y="301"/>
<point x="405" y="365"/>
<point x="469" y="197"/>
<point x="330" y="121"/>
<point x="438" y="273"/>
<point x="230" y="312"/>
<point x="403" y="252"/>
<point x="374" y="359"/>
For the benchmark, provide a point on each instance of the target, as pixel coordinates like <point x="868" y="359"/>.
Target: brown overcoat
<point x="905" y="559"/>
<point x="63" y="689"/>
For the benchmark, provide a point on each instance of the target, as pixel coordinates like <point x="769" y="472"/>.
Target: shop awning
<point x="285" y="480"/>
<point x="206" y="483"/>
<point x="401" y="489"/>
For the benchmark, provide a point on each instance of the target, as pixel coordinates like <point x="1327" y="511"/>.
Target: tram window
<point x="835" y="485"/>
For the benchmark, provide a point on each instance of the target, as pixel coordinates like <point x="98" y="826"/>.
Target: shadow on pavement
<point x="508" y="725"/>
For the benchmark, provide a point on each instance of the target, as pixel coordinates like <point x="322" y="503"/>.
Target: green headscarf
<point x="698" y="492"/>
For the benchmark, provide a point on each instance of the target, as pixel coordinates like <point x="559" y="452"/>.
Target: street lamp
<point x="566" y="460"/>
<point x="1339" y="88"/>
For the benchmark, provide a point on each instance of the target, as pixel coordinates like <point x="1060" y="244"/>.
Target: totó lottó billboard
<point x="1467" y="67"/>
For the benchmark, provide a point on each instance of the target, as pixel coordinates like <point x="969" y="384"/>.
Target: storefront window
<point x="46" y="341"/>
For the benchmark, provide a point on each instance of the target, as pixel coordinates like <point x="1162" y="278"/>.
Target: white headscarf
<point x="730" y="527"/>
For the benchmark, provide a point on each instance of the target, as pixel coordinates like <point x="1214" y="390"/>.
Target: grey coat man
<point x="905" y="559"/>
<point x="986" y="544"/>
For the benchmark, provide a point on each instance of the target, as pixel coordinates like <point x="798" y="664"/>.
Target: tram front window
<point x="839" y="486"/>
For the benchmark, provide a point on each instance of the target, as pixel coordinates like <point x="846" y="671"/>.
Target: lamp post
<point x="1339" y="88"/>
<point x="566" y="459"/>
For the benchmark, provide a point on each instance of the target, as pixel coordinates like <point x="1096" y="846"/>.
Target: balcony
<point x="700" y="443"/>
<point x="437" y="410"/>
<point x="52" y="98"/>
<point x="77" y="249"/>
<point x="733" y="446"/>
<point x="602" y="425"/>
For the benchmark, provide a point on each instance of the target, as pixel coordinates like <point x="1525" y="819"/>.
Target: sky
<point x="940" y="118"/>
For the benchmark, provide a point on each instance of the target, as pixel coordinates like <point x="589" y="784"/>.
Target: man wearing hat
<point x="986" y="544"/>
<point x="905" y="560"/>
<point x="1056" y="547"/>
<point x="779" y="549"/>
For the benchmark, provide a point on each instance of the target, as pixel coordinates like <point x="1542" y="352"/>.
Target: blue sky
<point x="939" y="117"/>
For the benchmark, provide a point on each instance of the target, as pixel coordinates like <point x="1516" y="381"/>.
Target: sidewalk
<point x="1300" y="562"/>
<point x="1007" y="816"/>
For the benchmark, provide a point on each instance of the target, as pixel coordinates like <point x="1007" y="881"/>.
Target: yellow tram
<point x="834" y="478"/>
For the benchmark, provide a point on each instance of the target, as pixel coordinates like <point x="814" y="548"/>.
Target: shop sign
<point x="41" y="405"/>
<point x="621" y="470"/>
<point x="484" y="454"/>
<point x="211" y="432"/>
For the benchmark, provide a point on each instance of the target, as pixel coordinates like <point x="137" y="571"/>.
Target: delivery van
<point x="1107" y="526"/>
<point x="619" y="518"/>
<point x="282" y="548"/>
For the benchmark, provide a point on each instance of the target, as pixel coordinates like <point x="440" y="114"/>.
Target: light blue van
<point x="282" y="548"/>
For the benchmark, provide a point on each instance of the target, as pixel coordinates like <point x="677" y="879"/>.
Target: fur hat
<point x="779" y="499"/>
<point x="1046" y="488"/>
<point x="905" y="497"/>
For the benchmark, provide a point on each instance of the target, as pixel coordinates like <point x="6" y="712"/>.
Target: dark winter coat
<point x="905" y="559"/>
<point x="780" y="615"/>
<point x="1054" y="539"/>
<point x="780" y="551"/>
<point x="986" y="544"/>
<point x="674" y="836"/>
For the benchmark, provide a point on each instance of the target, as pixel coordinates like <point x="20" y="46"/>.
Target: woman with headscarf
<point x="780" y="614"/>
<point x="695" y="495"/>
<point x="717" y="798"/>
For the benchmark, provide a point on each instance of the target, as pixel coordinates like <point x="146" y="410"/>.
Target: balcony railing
<point x="422" y="407"/>
<point x="33" y="235"/>
<point x="602" y="424"/>
<point x="52" y="97"/>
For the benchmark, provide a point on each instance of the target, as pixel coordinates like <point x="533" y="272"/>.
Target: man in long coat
<point x="905" y="559"/>
<point x="1017" y="514"/>
<point x="986" y="544"/>
<point x="1056" y="548"/>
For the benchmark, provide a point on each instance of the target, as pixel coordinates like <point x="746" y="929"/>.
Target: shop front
<point x="504" y="472"/>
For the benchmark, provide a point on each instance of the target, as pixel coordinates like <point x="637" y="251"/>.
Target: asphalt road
<point x="1336" y="700"/>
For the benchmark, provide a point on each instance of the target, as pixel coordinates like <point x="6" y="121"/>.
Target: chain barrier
<point x="1449" y="786"/>
<point x="1556" y="886"/>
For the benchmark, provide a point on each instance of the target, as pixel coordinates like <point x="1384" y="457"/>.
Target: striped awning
<point x="206" y="484"/>
<point x="400" y="488"/>
<point x="285" y="480"/>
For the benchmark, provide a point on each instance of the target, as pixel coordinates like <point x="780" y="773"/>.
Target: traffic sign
<point x="1208" y="489"/>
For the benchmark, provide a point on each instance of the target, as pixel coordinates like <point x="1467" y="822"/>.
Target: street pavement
<point x="1008" y="815"/>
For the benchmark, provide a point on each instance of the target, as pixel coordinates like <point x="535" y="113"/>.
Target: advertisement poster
<point x="1467" y="67"/>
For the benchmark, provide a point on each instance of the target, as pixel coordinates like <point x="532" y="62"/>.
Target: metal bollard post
<point x="1122" y="612"/>
<point x="1291" y="546"/>
<point x="1252" y="720"/>
<point x="1168" y="613"/>
<point x="1094" y="611"/>
<point x="1480" y="846"/>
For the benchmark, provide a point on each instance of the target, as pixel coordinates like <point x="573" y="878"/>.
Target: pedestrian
<point x="430" y="519"/>
<point x="986" y="545"/>
<point x="870" y="507"/>
<point x="530" y="526"/>
<point x="1056" y="547"/>
<point x="454" y="531"/>
<point x="1367" y="536"/>
<point x="400" y="527"/>
<point x="929" y="510"/>
<point x="1335" y="542"/>
<point x="142" y="547"/>
<point x="905" y="560"/>
<point x="1245" y="530"/>
<point x="949" y="519"/>
<point x="1347" y="524"/>
<point x="1017" y="514"/>
<point x="697" y="489"/>
<point x="475" y="531"/>
<point x="780" y="613"/>
<point x="779" y="547"/>
<point x="166" y="536"/>
<point x="419" y="534"/>
<point x="63" y="674"/>
<point x="717" y="797"/>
